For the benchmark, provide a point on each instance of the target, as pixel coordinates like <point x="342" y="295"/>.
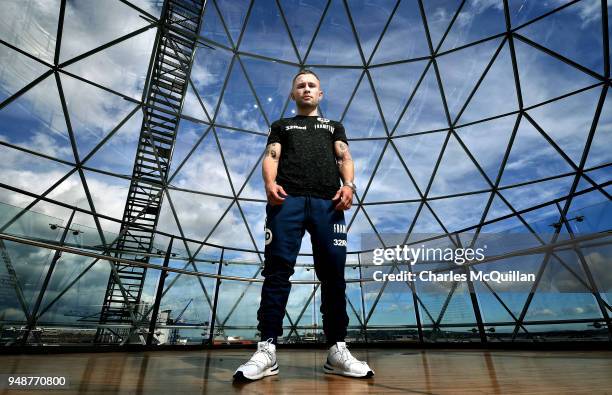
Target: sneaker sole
<point x="241" y="377"/>
<point x="331" y="370"/>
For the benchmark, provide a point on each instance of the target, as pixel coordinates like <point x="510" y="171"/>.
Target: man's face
<point x="306" y="91"/>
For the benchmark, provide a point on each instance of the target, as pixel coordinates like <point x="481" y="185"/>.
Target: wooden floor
<point x="397" y="371"/>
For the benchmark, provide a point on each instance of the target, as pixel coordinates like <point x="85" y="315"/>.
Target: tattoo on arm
<point x="343" y="154"/>
<point x="272" y="150"/>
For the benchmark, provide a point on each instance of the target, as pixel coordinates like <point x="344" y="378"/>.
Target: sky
<point x="410" y="109"/>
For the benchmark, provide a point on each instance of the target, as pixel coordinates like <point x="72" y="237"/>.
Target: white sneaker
<point x="340" y="361"/>
<point x="262" y="363"/>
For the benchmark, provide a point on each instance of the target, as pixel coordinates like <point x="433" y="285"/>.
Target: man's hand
<point x="276" y="194"/>
<point x="344" y="196"/>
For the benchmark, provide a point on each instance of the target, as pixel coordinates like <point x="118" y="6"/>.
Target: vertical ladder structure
<point x="165" y="92"/>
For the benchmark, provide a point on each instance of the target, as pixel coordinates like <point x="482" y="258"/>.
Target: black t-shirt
<point x="307" y="164"/>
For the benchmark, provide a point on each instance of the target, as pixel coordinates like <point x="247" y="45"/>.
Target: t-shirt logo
<point x="323" y="120"/>
<point x="291" y="127"/>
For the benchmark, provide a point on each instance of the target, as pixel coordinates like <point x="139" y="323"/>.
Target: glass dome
<point x="467" y="121"/>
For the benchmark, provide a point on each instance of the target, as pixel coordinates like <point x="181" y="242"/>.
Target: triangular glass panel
<point x="36" y="121"/>
<point x="600" y="176"/>
<point x="241" y="152"/>
<point x="93" y="112"/>
<point x="490" y="307"/>
<point x="369" y="19"/>
<point x="366" y="154"/>
<point x="599" y="153"/>
<point x="108" y="193"/>
<point x="17" y="71"/>
<point x="560" y="294"/>
<point x="475" y="21"/>
<point x="208" y="73"/>
<point x="167" y="222"/>
<point x="460" y="212"/>
<point x="353" y="301"/>
<point x="544" y="77"/>
<point x="254" y="188"/>
<point x="255" y="214"/>
<point x="460" y="71"/>
<point x="88" y="25"/>
<point x="359" y="123"/>
<point x="392" y="221"/>
<point x="197" y="214"/>
<point x="541" y="192"/>
<point x="532" y="157"/>
<point x="233" y="14"/>
<point x="523" y="11"/>
<point x="70" y="191"/>
<point x="266" y="25"/>
<point x="238" y="106"/>
<point x="439" y="14"/>
<point x="185" y="304"/>
<point x="335" y="42"/>
<point x="497" y="209"/>
<point x="497" y="92"/>
<point x="488" y="142"/>
<point x="358" y="227"/>
<point x="340" y="85"/>
<point x="272" y="82"/>
<point x="459" y="309"/>
<point x="456" y="172"/>
<point x="420" y="153"/>
<point x="590" y="213"/>
<point x="82" y="301"/>
<point x="510" y="224"/>
<point x="298" y="11"/>
<point x="568" y="121"/>
<point x="574" y="32"/>
<point x="187" y="137"/>
<point x="42" y="221"/>
<point x="192" y="106"/>
<point x="204" y="171"/>
<point x="11" y="204"/>
<point x="391" y="181"/>
<point x="212" y="27"/>
<point x="393" y="85"/>
<point x="427" y="223"/>
<point x="395" y="306"/>
<point x="406" y="22"/>
<point x="426" y="110"/>
<point x="29" y="172"/>
<point x="512" y="293"/>
<point x="31" y="26"/>
<point x="117" y="154"/>
<point x="232" y="231"/>
<point x="131" y="57"/>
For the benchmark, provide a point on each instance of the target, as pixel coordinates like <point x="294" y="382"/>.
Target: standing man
<point x="306" y="157"/>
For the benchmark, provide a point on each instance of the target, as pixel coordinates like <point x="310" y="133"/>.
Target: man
<point x="305" y="158"/>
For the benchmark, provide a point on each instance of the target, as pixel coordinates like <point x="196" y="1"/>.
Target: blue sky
<point x="35" y="121"/>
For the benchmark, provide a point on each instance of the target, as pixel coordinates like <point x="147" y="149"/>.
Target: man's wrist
<point x="351" y="185"/>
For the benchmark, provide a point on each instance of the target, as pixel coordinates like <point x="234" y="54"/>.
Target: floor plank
<point x="397" y="371"/>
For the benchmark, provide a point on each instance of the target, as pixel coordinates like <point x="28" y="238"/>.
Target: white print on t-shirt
<point x="323" y="120"/>
<point x="325" y="126"/>
<point x="290" y="127"/>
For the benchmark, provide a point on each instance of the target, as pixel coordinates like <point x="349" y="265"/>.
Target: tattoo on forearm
<point x="343" y="155"/>
<point x="272" y="151"/>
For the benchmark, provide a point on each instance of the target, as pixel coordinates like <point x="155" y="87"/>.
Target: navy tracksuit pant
<point x="285" y="227"/>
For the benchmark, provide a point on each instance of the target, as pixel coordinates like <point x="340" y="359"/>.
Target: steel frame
<point x="508" y="37"/>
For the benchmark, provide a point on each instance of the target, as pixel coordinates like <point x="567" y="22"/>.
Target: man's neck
<point x="307" y="111"/>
